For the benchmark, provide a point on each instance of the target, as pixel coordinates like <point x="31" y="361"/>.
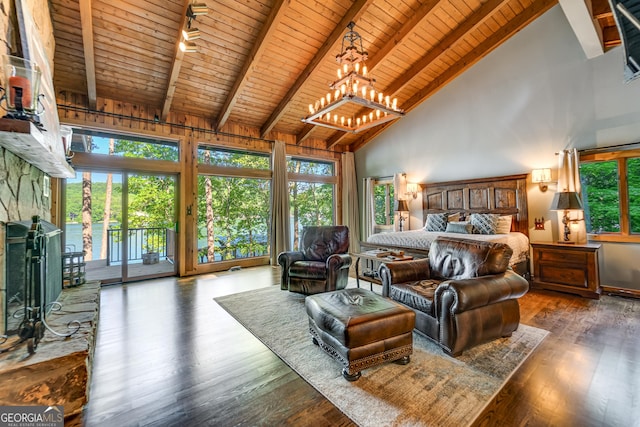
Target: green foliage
<point x="145" y="150"/>
<point x="98" y="196"/>
<point x="600" y="196"/>
<point x="633" y="180"/>
<point x="383" y="201"/>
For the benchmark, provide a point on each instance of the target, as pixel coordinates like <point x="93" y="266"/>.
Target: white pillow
<point x="504" y="224"/>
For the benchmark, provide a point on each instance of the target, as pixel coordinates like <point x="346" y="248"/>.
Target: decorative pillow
<point x="504" y="224"/>
<point x="436" y="222"/>
<point x="453" y="217"/>
<point x="462" y="227"/>
<point x="484" y="223"/>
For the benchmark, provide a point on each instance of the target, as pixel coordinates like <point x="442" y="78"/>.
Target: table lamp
<point x="401" y="206"/>
<point x="566" y="201"/>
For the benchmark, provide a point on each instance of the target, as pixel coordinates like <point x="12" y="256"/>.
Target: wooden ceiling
<point x="261" y="62"/>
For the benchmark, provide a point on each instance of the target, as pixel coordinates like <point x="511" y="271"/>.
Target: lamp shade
<point x="402" y="206"/>
<point x="540" y="175"/>
<point x="566" y="200"/>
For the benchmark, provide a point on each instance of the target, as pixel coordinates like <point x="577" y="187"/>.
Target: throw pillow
<point x="436" y="222"/>
<point x="453" y="217"/>
<point x="504" y="224"/>
<point x="484" y="223"/>
<point x="459" y="227"/>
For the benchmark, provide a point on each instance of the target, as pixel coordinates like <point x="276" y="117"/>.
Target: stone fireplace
<point x="21" y="196"/>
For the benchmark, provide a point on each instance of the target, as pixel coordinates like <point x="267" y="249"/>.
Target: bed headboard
<point x="504" y="195"/>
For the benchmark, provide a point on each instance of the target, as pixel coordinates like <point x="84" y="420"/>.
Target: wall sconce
<point x="412" y="190"/>
<point x="541" y="177"/>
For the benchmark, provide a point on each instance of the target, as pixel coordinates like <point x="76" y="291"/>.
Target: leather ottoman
<point x="360" y="329"/>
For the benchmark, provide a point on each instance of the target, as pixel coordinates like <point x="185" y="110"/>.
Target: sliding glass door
<point x="121" y="225"/>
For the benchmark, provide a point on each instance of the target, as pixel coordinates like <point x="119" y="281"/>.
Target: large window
<point x="383" y="203"/>
<point x="311" y="194"/>
<point x="116" y="145"/>
<point x="233" y="204"/>
<point x="611" y="194"/>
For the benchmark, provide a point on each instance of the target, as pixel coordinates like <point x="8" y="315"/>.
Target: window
<point x="383" y="201"/>
<point x="611" y="194"/>
<point x="137" y="147"/>
<point x="311" y="194"/>
<point x="233" y="204"/>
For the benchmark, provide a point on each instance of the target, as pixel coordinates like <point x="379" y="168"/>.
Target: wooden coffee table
<point x="373" y="259"/>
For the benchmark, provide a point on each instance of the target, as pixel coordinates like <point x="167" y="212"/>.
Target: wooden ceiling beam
<point x="264" y="38"/>
<point x="86" y="22"/>
<point x="356" y="10"/>
<point x="528" y="15"/>
<point x="475" y="20"/>
<point x="176" y="64"/>
<point x="586" y="28"/>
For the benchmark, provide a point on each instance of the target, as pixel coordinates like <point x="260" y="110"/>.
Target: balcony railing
<point x="139" y="241"/>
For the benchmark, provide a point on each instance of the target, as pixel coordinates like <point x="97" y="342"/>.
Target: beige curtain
<point x="399" y="190"/>
<point x="350" y="200"/>
<point x="280" y="235"/>
<point x="369" y="214"/>
<point x="569" y="180"/>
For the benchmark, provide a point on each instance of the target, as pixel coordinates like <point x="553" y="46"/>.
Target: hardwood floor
<point x="167" y="354"/>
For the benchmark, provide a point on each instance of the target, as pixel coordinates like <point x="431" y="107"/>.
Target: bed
<point x="502" y="196"/>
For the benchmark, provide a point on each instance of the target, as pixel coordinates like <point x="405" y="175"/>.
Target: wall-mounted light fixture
<point x="412" y="190"/>
<point x="541" y="177"/>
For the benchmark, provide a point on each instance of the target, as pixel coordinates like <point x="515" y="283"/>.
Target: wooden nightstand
<point x="567" y="268"/>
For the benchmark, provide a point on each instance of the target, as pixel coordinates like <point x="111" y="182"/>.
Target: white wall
<point x="511" y="112"/>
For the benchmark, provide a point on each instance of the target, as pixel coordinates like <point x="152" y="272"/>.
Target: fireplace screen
<point x="18" y="267"/>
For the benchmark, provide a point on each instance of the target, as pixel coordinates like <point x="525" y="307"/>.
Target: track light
<point x="191" y="34"/>
<point x="196" y="9"/>
<point x="188" y="47"/>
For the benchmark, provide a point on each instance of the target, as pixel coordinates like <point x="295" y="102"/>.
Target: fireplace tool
<point x="33" y="325"/>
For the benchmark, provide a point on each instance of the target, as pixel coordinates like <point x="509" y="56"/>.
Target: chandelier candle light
<point x="355" y="86"/>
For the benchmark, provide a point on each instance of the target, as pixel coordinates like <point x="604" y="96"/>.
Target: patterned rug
<point x="432" y="390"/>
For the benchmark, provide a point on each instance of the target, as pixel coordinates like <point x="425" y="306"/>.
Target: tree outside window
<point x="611" y="194"/>
<point x="383" y="203"/>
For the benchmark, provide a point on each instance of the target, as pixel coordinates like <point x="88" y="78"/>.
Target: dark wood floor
<point x="167" y="354"/>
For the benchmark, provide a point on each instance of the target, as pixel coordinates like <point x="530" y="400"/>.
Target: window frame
<point x="620" y="156"/>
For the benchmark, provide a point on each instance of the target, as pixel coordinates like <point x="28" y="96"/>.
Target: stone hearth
<point x="60" y="370"/>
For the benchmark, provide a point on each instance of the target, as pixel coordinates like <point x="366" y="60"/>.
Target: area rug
<point x="432" y="390"/>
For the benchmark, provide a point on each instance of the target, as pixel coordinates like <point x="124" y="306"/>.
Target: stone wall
<point x="21" y="197"/>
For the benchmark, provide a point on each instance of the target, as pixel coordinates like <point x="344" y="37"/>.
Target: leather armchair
<point x="321" y="265"/>
<point x="464" y="293"/>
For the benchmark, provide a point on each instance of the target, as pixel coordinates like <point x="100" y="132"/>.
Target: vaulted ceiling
<point x="260" y="63"/>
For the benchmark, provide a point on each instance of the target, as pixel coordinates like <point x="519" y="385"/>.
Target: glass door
<point x="119" y="227"/>
<point x="93" y="223"/>
<point x="150" y="226"/>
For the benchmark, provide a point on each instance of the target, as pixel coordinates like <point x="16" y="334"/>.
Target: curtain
<point x="350" y="200"/>
<point x="399" y="190"/>
<point x="569" y="180"/>
<point x="280" y="235"/>
<point x="369" y="213"/>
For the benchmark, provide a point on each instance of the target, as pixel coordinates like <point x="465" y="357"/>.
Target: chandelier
<point x="353" y="87"/>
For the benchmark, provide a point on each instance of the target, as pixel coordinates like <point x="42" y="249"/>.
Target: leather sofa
<point x="321" y="265"/>
<point x="464" y="293"/>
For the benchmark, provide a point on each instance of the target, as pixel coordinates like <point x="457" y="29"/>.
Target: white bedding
<point x="420" y="239"/>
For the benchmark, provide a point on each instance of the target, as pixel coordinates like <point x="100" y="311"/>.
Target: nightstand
<point x="567" y="268"/>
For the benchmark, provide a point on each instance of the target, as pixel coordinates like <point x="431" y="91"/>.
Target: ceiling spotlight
<point x="191" y="34"/>
<point x="196" y="9"/>
<point x="188" y="47"/>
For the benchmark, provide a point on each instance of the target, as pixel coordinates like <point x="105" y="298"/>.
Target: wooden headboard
<point x="504" y="195"/>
